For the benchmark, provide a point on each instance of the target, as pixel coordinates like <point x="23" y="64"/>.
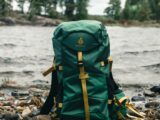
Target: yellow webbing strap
<point x="49" y="70"/>
<point x="134" y="110"/>
<point x="83" y="76"/>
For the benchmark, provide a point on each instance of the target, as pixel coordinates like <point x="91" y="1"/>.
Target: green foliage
<point x="70" y="7"/>
<point x="143" y="13"/>
<point x="114" y="9"/>
<point x="81" y="9"/>
<point x="75" y="9"/>
<point x="42" y="7"/>
<point x="5" y="7"/>
<point x="49" y="7"/>
<point x="34" y="8"/>
<point x="136" y="10"/>
<point x="155" y="9"/>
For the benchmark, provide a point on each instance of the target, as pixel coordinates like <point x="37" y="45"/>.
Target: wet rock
<point x="8" y="21"/>
<point x="11" y="117"/>
<point x="150" y="114"/>
<point x="155" y="89"/>
<point x="40" y="86"/>
<point x="20" y="109"/>
<point x="2" y="98"/>
<point x="35" y="90"/>
<point x="40" y="81"/>
<point x="1" y="94"/>
<point x="157" y="115"/>
<point x="138" y="98"/>
<point x="140" y="105"/>
<point x="7" y="103"/>
<point x="36" y="101"/>
<point x="12" y="86"/>
<point x="19" y="94"/>
<point x="1" y="116"/>
<point x="1" y="104"/>
<point x="22" y="103"/>
<point x="149" y="93"/>
<point x="153" y="104"/>
<point x="26" y="112"/>
<point x="43" y="117"/>
<point x="35" y="112"/>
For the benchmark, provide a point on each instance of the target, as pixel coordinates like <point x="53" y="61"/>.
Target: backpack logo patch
<point x="80" y="42"/>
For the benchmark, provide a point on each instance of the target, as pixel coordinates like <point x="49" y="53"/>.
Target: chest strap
<point x="83" y="77"/>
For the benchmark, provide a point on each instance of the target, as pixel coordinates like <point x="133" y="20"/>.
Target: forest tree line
<point x="77" y="9"/>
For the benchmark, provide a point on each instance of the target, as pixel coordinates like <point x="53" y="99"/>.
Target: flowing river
<point x="26" y="51"/>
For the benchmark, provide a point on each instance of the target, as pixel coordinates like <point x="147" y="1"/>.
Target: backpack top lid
<point x="90" y="26"/>
<point x="83" y="35"/>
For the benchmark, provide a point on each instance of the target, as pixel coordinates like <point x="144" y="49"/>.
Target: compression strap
<point x="83" y="77"/>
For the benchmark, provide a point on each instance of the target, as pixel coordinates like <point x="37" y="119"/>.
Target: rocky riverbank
<point x="19" y="19"/>
<point x="39" y="21"/>
<point x="24" y="102"/>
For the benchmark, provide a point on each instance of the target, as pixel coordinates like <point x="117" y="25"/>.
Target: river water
<point x="26" y="51"/>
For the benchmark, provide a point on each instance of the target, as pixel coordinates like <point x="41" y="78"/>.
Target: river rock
<point x="11" y="117"/>
<point x="43" y="117"/>
<point x="153" y="104"/>
<point x="140" y="105"/>
<point x="19" y="94"/>
<point x="1" y="94"/>
<point x="149" y="93"/>
<point x="40" y="81"/>
<point x="35" y="90"/>
<point x="26" y="112"/>
<point x="155" y="89"/>
<point x="138" y="98"/>
<point x="36" y="101"/>
<point x="8" y="21"/>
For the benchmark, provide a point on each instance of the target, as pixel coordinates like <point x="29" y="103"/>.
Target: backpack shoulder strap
<point x="83" y="77"/>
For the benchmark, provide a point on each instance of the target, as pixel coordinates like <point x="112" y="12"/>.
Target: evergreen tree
<point x="155" y="8"/>
<point x="114" y="9"/>
<point x="21" y="5"/>
<point x="50" y="8"/>
<point x="70" y="7"/>
<point x="137" y="10"/>
<point x="75" y="9"/>
<point x="35" y="8"/>
<point x="81" y="9"/>
<point x="5" y="7"/>
<point x="143" y="12"/>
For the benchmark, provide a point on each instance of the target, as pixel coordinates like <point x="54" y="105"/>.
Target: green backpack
<point x="82" y="81"/>
<point x="81" y="52"/>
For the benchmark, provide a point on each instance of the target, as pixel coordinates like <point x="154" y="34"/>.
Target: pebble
<point x="1" y="94"/>
<point x="26" y="112"/>
<point x="138" y="98"/>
